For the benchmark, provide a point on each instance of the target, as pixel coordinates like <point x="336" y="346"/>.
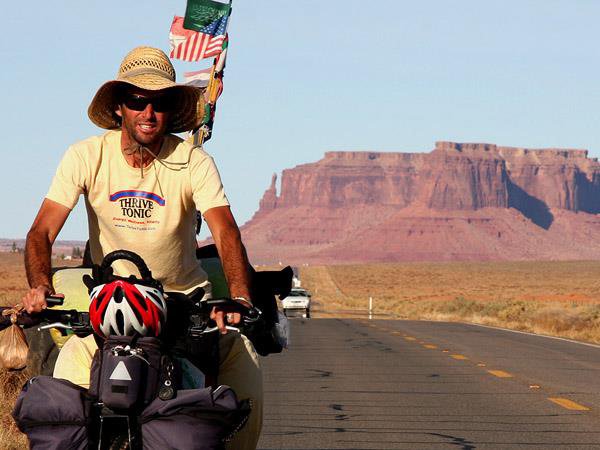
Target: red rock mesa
<point x="458" y="202"/>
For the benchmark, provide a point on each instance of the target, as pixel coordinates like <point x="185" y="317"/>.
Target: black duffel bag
<point x="196" y="419"/>
<point x="54" y="414"/>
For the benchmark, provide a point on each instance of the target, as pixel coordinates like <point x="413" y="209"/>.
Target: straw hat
<point x="148" y="68"/>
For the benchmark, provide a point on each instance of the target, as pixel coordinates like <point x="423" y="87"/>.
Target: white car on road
<point x="297" y="303"/>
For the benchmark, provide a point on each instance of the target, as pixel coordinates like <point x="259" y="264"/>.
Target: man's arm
<point x="38" y="251"/>
<point x="226" y="235"/>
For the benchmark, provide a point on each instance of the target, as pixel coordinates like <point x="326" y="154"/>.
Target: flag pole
<point x="211" y="87"/>
<point x="199" y="135"/>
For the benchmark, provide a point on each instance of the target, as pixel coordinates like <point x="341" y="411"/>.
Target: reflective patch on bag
<point x="120" y="372"/>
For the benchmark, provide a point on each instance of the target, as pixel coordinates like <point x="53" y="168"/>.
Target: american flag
<point x="189" y="45"/>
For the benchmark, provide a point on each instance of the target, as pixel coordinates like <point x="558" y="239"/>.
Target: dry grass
<point x="11" y="382"/>
<point x="13" y="282"/>
<point x="557" y="298"/>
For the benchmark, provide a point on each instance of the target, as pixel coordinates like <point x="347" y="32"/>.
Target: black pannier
<point x="53" y="413"/>
<point x="196" y="419"/>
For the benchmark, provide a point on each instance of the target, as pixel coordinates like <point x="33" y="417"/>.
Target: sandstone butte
<point x="461" y="201"/>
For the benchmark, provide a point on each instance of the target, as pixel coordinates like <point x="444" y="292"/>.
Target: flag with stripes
<point x="189" y="45"/>
<point x="199" y="78"/>
<point x="220" y="65"/>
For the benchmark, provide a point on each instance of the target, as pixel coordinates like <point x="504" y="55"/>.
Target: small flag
<point x="207" y="16"/>
<point x="222" y="56"/>
<point x="199" y="78"/>
<point x="189" y="45"/>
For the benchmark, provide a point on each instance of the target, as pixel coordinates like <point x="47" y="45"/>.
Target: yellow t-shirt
<point x="153" y="215"/>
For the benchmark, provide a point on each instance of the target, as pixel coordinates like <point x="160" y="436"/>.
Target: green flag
<point x="205" y="16"/>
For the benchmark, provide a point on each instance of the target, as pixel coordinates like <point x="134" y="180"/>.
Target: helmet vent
<point x="118" y="295"/>
<point x="120" y="323"/>
<point x="142" y="301"/>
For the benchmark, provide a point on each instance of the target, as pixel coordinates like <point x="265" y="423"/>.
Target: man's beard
<point x="135" y="137"/>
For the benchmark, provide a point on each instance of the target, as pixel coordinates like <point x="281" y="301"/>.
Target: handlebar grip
<point x="227" y="302"/>
<point x="53" y="300"/>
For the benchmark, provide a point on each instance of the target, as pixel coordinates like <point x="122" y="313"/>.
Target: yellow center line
<point x="459" y="357"/>
<point x="568" y="404"/>
<point x="410" y="338"/>
<point x="431" y="346"/>
<point x="500" y="373"/>
<point x="397" y="333"/>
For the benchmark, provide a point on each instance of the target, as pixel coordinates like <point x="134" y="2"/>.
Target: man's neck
<point x="136" y="156"/>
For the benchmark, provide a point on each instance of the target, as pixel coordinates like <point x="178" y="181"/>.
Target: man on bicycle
<point x="142" y="187"/>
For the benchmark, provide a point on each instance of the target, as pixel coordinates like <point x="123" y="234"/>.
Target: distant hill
<point x="59" y="248"/>
<point x="461" y="201"/>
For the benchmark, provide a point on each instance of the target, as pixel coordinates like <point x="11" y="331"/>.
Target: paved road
<point x="385" y="384"/>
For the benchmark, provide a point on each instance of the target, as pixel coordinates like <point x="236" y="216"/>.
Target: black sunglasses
<point x="161" y="103"/>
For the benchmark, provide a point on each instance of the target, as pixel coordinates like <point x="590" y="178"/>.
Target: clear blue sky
<point x="304" y="77"/>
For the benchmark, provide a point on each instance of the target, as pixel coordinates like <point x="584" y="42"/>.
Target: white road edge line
<point x="532" y="334"/>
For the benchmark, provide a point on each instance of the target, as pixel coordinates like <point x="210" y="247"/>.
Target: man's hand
<point x="34" y="301"/>
<point x="224" y="316"/>
<point x="229" y="314"/>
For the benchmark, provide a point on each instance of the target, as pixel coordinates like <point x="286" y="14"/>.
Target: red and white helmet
<point x="124" y="308"/>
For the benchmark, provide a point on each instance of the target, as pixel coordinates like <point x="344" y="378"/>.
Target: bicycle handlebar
<point x="79" y="323"/>
<point x="199" y="328"/>
<point x="53" y="300"/>
<point x="69" y="319"/>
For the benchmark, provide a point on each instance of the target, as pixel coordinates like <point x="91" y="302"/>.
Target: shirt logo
<point x="137" y="204"/>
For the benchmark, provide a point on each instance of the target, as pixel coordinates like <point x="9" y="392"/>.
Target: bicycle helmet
<point x="125" y="306"/>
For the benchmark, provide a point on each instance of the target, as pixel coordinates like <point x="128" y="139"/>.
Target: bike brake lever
<point x="55" y="325"/>
<point x="213" y="329"/>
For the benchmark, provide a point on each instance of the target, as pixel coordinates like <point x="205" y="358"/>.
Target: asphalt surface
<point x="393" y="384"/>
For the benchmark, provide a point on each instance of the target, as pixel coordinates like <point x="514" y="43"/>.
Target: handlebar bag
<point x="53" y="413"/>
<point x="196" y="419"/>
<point x="126" y="371"/>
